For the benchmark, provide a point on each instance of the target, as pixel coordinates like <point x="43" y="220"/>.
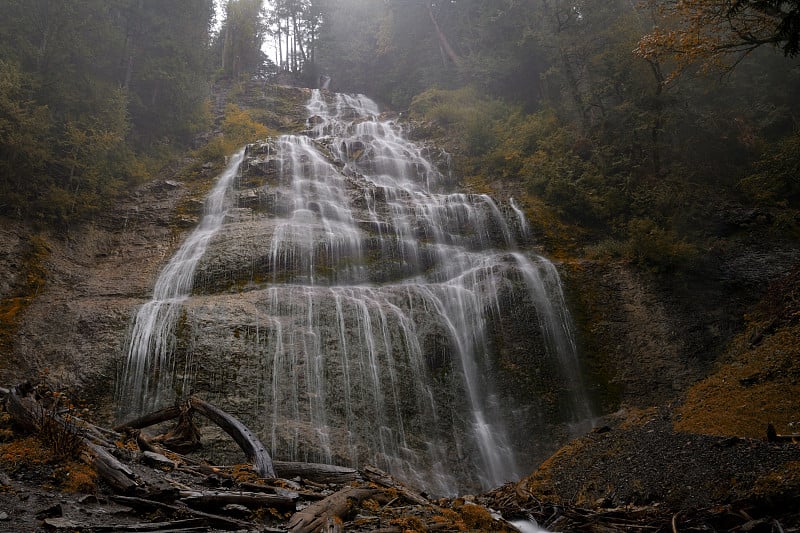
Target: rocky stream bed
<point x="59" y="472"/>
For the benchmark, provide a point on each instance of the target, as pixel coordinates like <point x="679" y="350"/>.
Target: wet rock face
<point x="326" y="393"/>
<point x="351" y="309"/>
<point x="350" y="229"/>
<point x="73" y="330"/>
<point x="275" y="329"/>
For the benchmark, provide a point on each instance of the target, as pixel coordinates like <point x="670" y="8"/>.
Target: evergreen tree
<point x="87" y="84"/>
<point x="241" y="38"/>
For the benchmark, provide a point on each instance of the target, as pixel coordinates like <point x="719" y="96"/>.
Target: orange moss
<point x="758" y="385"/>
<point x="25" y="451"/>
<point x="30" y="282"/>
<point x="371" y="505"/>
<point x="32" y="453"/>
<point x="128" y="445"/>
<point x="410" y="524"/>
<point x="477" y="517"/>
<point x="244" y="473"/>
<point x="10" y="308"/>
<point x="781" y="481"/>
<point x="6" y="430"/>
<point x="540" y="482"/>
<point x="448" y="516"/>
<point x="76" y="477"/>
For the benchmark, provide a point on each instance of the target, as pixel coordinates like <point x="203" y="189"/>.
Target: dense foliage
<point x="91" y="92"/>
<point x="96" y="95"/>
<point x="593" y="108"/>
<point x="634" y="120"/>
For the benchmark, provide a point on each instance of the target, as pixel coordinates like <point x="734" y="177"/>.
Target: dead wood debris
<point x="146" y="486"/>
<point x="515" y="502"/>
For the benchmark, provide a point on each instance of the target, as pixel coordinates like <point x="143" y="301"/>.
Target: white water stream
<point x="372" y="304"/>
<point x="150" y="349"/>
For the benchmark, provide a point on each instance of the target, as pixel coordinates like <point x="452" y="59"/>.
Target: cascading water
<point x="150" y="351"/>
<point x="351" y="310"/>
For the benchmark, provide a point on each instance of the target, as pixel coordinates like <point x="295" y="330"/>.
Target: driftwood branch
<point x="110" y="470"/>
<point x="252" y="447"/>
<point x="319" y="473"/>
<point x="338" y="505"/>
<point x="176" y="526"/>
<point x="248" y="499"/>
<point x="142" y="504"/>
<point x="151" y="419"/>
<point x="247" y="441"/>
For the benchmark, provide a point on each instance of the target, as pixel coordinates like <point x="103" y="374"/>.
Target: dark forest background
<point x="635" y="123"/>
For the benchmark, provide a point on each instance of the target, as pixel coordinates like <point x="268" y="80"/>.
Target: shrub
<point x="239" y="127"/>
<point x="777" y="174"/>
<point x="464" y="115"/>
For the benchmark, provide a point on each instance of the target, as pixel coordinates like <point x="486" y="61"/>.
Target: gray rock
<point x="157" y="460"/>
<point x="236" y="509"/>
<point x="61" y="523"/>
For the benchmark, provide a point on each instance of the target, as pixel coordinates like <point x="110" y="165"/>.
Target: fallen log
<point x="338" y="505"/>
<point x="182" y="526"/>
<point x="110" y="470"/>
<point x="252" y="447"/>
<point x="217" y="521"/>
<point x="247" y="441"/>
<point x="317" y="472"/>
<point x="248" y="499"/>
<point x="150" y="419"/>
<point x="306" y="495"/>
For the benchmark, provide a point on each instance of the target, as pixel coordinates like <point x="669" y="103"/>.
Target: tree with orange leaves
<point x="719" y="33"/>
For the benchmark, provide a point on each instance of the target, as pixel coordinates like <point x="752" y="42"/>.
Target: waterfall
<point x="149" y="363"/>
<point x="352" y="309"/>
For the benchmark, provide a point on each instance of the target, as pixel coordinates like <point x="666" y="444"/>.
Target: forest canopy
<point x="628" y="118"/>
<point x="90" y="90"/>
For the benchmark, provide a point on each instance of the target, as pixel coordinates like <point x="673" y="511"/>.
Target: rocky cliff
<point x="646" y="339"/>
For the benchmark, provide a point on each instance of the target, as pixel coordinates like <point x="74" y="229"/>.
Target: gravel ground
<point x="636" y="460"/>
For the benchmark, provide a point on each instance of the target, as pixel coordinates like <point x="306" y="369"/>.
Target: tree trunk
<point x="247" y="441"/>
<point x="151" y="419"/>
<point x="338" y="505"/>
<point x="252" y="447"/>
<point x="207" y="499"/>
<point x="318" y="473"/>
<point x="142" y="504"/>
<point x="659" y="111"/>
<point x="445" y="44"/>
<point x="110" y="470"/>
<point x="298" y="38"/>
